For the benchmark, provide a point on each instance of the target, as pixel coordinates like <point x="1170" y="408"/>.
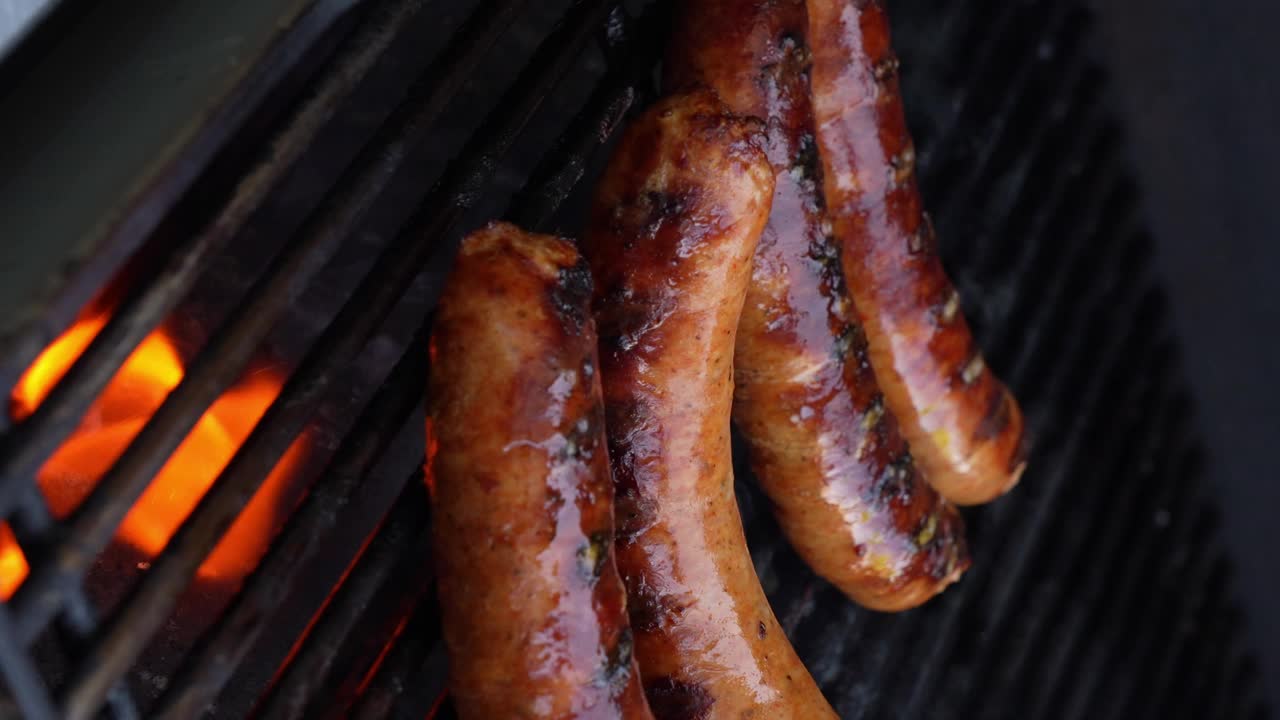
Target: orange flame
<point x="132" y="396"/>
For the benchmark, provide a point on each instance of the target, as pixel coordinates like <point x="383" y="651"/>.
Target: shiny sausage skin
<point x="964" y="427"/>
<point x="675" y="221"/>
<point x="825" y="449"/>
<point x="534" y="613"/>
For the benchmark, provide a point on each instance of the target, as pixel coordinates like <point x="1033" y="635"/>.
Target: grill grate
<point x="1099" y="587"/>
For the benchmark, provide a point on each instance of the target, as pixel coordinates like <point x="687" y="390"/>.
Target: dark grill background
<point x="1099" y="587"/>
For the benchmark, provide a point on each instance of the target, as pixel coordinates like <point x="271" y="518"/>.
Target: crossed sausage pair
<point x="783" y="261"/>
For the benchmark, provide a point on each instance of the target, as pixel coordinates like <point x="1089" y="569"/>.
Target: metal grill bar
<point x="1013" y="660"/>
<point x="377" y="295"/>
<point x="548" y="187"/>
<point x="815" y="613"/>
<point x="1052" y="390"/>
<point x="552" y="182"/>
<point x="1031" y="532"/>
<point x="1058" y="158"/>
<point x="397" y="550"/>
<point x="1072" y="307"/>
<point x="432" y="684"/>
<point x="868" y="675"/>
<point x="534" y="209"/>
<point x="26" y="446"/>
<point x="1176" y="578"/>
<point x="80" y="618"/>
<point x="1092" y="541"/>
<point x="1046" y="96"/>
<point x="77" y="625"/>
<point x="32" y="442"/>
<point x="1078" y="662"/>
<point x="901" y="628"/>
<point x="1019" y="94"/>
<point x="957" y="32"/>
<point x="1000" y="604"/>
<point x="1209" y="570"/>
<point x="847" y="624"/>
<point x="966" y="185"/>
<point x="1014" y="531"/>
<point x="94" y="523"/>
<point x="1155" y="640"/>
<point x="1064" y="456"/>
<point x="1071" y="275"/>
<point x="970" y="579"/>
<point x="566" y="166"/>
<point x="1214" y="570"/>
<point x="987" y="75"/>
<point x="1072" y="164"/>
<point x="208" y="668"/>
<point x="560" y="171"/>
<point x="373" y="633"/>
<point x="392" y="683"/>
<point x="1063" y="305"/>
<point x="1203" y="667"/>
<point x="1064" y="459"/>
<point x="1133" y="576"/>
<point x="25" y="683"/>
<point x="957" y="29"/>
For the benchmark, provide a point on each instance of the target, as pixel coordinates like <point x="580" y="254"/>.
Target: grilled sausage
<point x="964" y="427"/>
<point x="533" y="609"/>
<point x="675" y="221"/>
<point x="826" y="451"/>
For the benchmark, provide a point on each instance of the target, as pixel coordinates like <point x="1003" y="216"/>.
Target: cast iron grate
<point x="1099" y="587"/>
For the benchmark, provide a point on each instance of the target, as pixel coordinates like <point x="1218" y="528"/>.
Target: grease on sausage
<point x="533" y="609"/>
<point x="672" y="231"/>
<point x="825" y="449"/>
<point x="964" y="426"/>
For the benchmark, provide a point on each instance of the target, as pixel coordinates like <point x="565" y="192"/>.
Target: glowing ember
<point x="116" y="417"/>
<point x="13" y="564"/>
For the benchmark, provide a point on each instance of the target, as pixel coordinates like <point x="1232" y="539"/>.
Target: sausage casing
<point x="964" y="426"/>
<point x="825" y="449"/>
<point x="534" y="613"/>
<point x="675" y="222"/>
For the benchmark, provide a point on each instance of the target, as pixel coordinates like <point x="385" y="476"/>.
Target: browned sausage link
<point x="963" y="425"/>
<point x="826" y="451"/>
<point x="534" y="612"/>
<point x="676" y="219"/>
